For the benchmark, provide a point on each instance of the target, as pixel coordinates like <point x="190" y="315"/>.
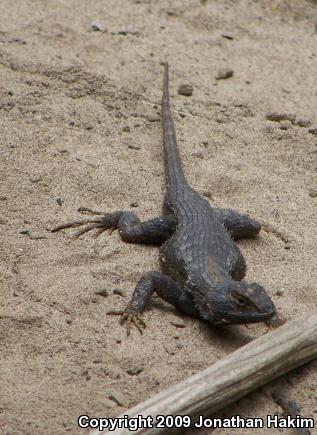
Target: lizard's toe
<point x="93" y="221"/>
<point x="101" y="222"/>
<point x="86" y="229"/>
<point x="135" y="319"/>
<point x="131" y="317"/>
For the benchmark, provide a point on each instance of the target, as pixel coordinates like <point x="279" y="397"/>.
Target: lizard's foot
<point x="131" y="316"/>
<point x="101" y="222"/>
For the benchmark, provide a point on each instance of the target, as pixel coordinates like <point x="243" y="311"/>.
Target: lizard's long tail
<point x="173" y="166"/>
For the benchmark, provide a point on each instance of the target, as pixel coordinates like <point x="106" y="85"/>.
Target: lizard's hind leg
<point x="131" y="229"/>
<point x="239" y="225"/>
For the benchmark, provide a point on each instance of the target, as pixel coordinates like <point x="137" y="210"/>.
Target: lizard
<point x="202" y="269"/>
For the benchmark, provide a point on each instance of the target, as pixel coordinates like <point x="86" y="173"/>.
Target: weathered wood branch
<point x="234" y="376"/>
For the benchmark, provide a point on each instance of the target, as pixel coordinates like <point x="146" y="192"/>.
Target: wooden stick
<point x="234" y="376"/>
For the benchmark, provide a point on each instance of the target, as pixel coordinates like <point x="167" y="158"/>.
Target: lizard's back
<point x="199" y="241"/>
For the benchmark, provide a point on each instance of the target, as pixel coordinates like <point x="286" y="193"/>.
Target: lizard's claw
<point x="130" y="316"/>
<point x="136" y="319"/>
<point x="101" y="222"/>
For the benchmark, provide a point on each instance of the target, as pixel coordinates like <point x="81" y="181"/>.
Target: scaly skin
<point x="202" y="267"/>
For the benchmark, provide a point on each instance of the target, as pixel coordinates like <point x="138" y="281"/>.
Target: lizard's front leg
<point x="166" y="288"/>
<point x="131" y="229"/>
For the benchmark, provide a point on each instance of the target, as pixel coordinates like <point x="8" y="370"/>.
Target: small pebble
<point x="59" y="201"/>
<point x="285" y="125"/>
<point x="227" y="37"/>
<point x="25" y="232"/>
<point x="303" y="122"/>
<point x="134" y="147"/>
<point x="125" y="32"/>
<point x="186" y="90"/>
<point x="220" y="120"/>
<point x="153" y="117"/>
<point x="278" y="117"/>
<point x="3" y="198"/>
<point x="35" y="179"/>
<point x="72" y="123"/>
<point x="104" y="292"/>
<point x="313" y="193"/>
<point x="179" y="323"/>
<point x="224" y="73"/>
<point x="119" y="291"/>
<point x="313" y="131"/>
<point x="135" y="370"/>
<point x="126" y="128"/>
<point x="117" y="398"/>
<point x="98" y="26"/>
<point x="134" y="204"/>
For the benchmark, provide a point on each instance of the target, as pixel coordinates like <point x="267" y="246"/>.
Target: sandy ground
<point x="79" y="128"/>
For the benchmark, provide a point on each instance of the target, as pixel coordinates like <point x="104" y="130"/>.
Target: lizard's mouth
<point x="243" y="317"/>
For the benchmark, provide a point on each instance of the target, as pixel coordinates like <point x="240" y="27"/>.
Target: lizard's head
<point x="240" y="303"/>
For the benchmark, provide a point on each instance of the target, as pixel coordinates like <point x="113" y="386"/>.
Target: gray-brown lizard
<point x="202" y="267"/>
